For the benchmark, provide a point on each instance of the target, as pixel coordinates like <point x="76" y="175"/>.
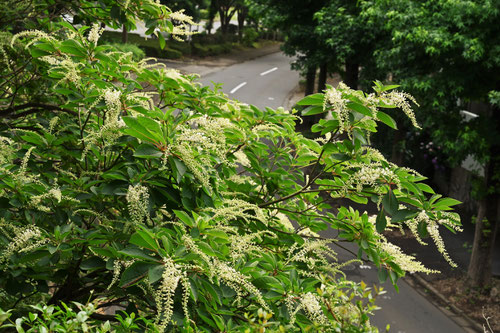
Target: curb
<point x="463" y="320"/>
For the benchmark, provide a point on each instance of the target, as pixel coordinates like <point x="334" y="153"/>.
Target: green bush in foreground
<point x="128" y="185"/>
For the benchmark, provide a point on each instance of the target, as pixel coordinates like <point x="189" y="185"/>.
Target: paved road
<point x="267" y="81"/>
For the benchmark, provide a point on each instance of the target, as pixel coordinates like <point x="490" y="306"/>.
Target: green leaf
<point x="425" y="188"/>
<point x="37" y="53"/>
<point x="147" y="150"/>
<point x="137" y="130"/>
<point x="184" y="217"/>
<point x="446" y="202"/>
<point x="155" y="273"/>
<point x="403" y="215"/>
<point x="386" y="119"/>
<point x="203" y="316"/>
<point x="314" y="99"/>
<point x="134" y="273"/>
<point x="73" y="50"/>
<point x="312" y="110"/>
<point x="144" y="238"/>
<point x="161" y="39"/>
<point x="219" y="322"/>
<point x="360" y="108"/>
<point x="205" y="248"/>
<point x="217" y="234"/>
<point x="92" y="263"/>
<point x="137" y="253"/>
<point x="382" y="275"/>
<point x="381" y="222"/>
<point x="389" y="87"/>
<point x="390" y="203"/>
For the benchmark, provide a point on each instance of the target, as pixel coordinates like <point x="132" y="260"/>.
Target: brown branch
<point x="30" y="109"/>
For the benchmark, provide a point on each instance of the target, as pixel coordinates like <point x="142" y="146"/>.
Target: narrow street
<point x="268" y="81"/>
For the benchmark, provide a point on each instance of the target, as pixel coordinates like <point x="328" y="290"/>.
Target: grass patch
<point x="201" y="46"/>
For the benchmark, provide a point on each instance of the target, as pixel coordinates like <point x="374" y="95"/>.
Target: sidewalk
<point x="204" y="66"/>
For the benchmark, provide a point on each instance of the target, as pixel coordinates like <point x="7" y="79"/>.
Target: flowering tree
<point x="126" y="184"/>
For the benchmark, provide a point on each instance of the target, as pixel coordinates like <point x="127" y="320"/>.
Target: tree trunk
<point x="351" y="74"/>
<point x="310" y="78"/>
<point x="242" y="14"/>
<point x="124" y="35"/>
<point x="479" y="272"/>
<point x="211" y="15"/>
<point x="323" y="72"/>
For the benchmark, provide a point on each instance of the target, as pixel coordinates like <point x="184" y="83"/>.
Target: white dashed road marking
<point x="237" y="87"/>
<point x="268" y="71"/>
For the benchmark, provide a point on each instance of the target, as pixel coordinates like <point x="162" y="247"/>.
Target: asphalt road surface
<point x="267" y="81"/>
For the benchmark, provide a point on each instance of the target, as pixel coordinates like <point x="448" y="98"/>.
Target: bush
<point x="170" y="53"/>
<point x="137" y="53"/>
<point x="121" y="184"/>
<point x="183" y="47"/>
<point x="250" y="35"/>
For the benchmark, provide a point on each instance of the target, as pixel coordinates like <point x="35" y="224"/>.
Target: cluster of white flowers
<point x="197" y="167"/>
<point x="432" y="227"/>
<point x="242" y="158"/>
<point x="234" y="209"/>
<point x="25" y="241"/>
<point x="314" y="253"/>
<point x="245" y="244"/>
<point x="105" y="137"/>
<point x="117" y="268"/>
<point x="6" y="150"/>
<point x="52" y="124"/>
<point x="26" y="158"/>
<point x="313" y="309"/>
<point x="36" y="35"/>
<point x="335" y="101"/>
<point x="113" y="104"/>
<point x="284" y="221"/>
<point x="69" y="68"/>
<point x="144" y="99"/>
<point x="239" y="283"/>
<point x="53" y="193"/>
<point x="95" y="33"/>
<point x="371" y="175"/>
<point x="400" y="99"/>
<point x="181" y="17"/>
<point x="138" y="202"/>
<point x="164" y="296"/>
<point x="406" y="262"/>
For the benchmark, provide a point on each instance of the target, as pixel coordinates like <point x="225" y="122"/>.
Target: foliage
<point x="296" y="20"/>
<point x="446" y="53"/>
<point x="64" y="318"/>
<point x="127" y="184"/>
<point x="351" y="39"/>
<point x="137" y="53"/>
<point x="250" y="35"/>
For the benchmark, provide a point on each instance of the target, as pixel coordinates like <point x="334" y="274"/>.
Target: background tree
<point x="447" y="54"/>
<point x="295" y="19"/>
<point x="352" y="40"/>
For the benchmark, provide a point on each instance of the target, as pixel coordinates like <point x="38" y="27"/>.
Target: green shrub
<point x="250" y="35"/>
<point x="137" y="53"/>
<point x="121" y="182"/>
<point x="200" y="50"/>
<point x="170" y="53"/>
<point x="183" y="47"/>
